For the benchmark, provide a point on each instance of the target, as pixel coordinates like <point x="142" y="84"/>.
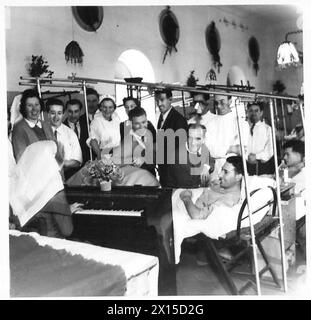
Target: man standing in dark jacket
<point x="77" y="123"/>
<point x="172" y="128"/>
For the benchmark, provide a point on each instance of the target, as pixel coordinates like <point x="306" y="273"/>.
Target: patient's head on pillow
<point x="231" y="173"/>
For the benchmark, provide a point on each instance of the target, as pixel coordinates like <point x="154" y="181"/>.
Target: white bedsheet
<point x="222" y="220"/>
<point x="141" y="270"/>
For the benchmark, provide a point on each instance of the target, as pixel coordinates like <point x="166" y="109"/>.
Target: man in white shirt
<point x="202" y="108"/>
<point x="78" y="123"/>
<point x="222" y="134"/>
<point x="259" y="148"/>
<point x="294" y="157"/>
<point x="66" y="138"/>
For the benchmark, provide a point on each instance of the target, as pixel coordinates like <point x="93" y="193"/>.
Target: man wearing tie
<point x="259" y="149"/>
<point x="77" y="123"/>
<point x="65" y="137"/>
<point x="169" y="119"/>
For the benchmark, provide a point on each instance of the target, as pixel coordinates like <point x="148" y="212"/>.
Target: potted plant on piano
<point x="104" y="171"/>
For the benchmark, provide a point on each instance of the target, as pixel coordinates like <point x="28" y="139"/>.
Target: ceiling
<point x="272" y="13"/>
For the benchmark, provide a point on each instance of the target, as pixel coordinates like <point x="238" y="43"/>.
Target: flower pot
<point x="105" y="185"/>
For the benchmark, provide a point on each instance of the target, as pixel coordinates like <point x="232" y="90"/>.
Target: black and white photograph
<point x="154" y="150"/>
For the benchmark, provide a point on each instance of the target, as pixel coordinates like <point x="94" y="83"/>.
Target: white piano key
<point x="121" y="213"/>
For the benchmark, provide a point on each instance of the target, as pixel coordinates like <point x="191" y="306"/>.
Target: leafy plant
<point x="278" y="86"/>
<point x="38" y="67"/>
<point x="103" y="170"/>
<point x="191" y="80"/>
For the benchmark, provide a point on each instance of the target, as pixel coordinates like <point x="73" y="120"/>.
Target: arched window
<point x="133" y="63"/>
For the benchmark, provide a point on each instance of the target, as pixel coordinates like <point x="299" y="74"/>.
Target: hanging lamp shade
<point x="287" y="55"/>
<point x="73" y="53"/>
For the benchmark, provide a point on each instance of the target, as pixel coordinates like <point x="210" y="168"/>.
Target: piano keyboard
<point x="123" y="213"/>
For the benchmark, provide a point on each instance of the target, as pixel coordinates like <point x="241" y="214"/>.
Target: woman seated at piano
<point x="105" y="129"/>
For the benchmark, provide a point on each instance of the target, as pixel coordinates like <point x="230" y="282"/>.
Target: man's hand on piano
<point x="75" y="207"/>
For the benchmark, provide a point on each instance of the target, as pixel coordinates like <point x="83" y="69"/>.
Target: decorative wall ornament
<point x="254" y="52"/>
<point x="169" y="30"/>
<point x="211" y="77"/>
<point x="89" y="18"/>
<point x="233" y="23"/>
<point x="73" y="53"/>
<point x="213" y="44"/>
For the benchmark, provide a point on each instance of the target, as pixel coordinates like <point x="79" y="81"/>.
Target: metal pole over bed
<point x="87" y="114"/>
<point x="239" y="94"/>
<point x="278" y="193"/>
<point x="247" y="194"/>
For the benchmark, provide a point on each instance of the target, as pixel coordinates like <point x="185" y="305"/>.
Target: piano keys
<point x="119" y="213"/>
<point x="137" y="219"/>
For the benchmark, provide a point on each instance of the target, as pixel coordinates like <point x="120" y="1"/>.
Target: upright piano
<point x="137" y="219"/>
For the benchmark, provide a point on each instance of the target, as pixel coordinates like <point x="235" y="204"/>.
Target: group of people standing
<point x="177" y="154"/>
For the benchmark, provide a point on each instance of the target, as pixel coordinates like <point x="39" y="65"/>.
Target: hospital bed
<point x="49" y="267"/>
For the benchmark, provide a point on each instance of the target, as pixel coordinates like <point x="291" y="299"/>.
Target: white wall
<point x="47" y="31"/>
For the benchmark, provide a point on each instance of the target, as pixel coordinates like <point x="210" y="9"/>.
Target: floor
<point x="195" y="280"/>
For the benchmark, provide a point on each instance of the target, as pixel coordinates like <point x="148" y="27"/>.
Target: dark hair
<point x="256" y="103"/>
<point x="53" y="102"/>
<point x="137" y="102"/>
<point x="296" y="145"/>
<point x="237" y="162"/>
<point x="92" y="91"/>
<point x="73" y="102"/>
<point x="29" y="93"/>
<point x="219" y="94"/>
<point x="167" y="92"/>
<point x="109" y="99"/>
<point x="196" y="126"/>
<point x="206" y="96"/>
<point x="137" y="112"/>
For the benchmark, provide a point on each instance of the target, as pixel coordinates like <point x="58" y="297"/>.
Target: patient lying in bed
<point x="214" y="211"/>
<point x="227" y="193"/>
